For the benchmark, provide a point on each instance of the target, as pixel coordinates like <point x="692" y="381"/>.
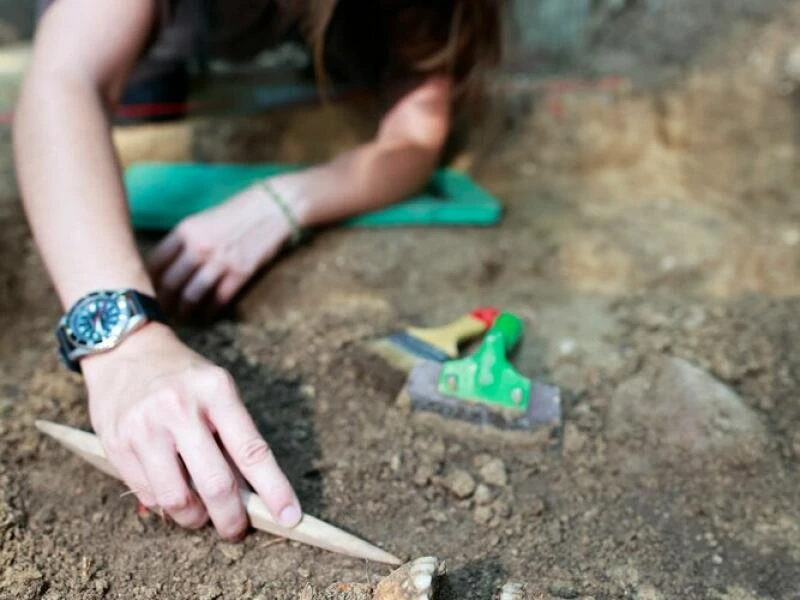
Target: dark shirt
<point x="191" y="32"/>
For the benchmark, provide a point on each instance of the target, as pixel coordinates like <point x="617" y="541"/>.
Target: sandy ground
<point x="670" y="321"/>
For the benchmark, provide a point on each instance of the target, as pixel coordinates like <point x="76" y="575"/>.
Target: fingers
<point x="229" y="286"/>
<point x="199" y="288"/>
<point x="163" y="255"/>
<point x="213" y="479"/>
<point x="175" y="278"/>
<point x="130" y="469"/>
<point x="168" y="481"/>
<point x="252" y="455"/>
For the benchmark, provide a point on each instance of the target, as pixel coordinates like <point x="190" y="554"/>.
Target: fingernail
<point x="290" y="515"/>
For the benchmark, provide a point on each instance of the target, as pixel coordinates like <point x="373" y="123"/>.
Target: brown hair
<point x="461" y="38"/>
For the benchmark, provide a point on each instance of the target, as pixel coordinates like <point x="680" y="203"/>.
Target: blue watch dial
<point x="98" y="319"/>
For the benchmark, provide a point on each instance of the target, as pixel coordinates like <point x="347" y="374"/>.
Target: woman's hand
<point x="204" y="262"/>
<point x="210" y="256"/>
<point x="165" y="416"/>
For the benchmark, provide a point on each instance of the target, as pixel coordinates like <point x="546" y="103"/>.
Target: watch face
<point x="99" y="319"/>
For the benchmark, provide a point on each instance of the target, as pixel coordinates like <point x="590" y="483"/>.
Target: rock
<point x="494" y="473"/>
<point x="536" y="506"/>
<point x="423" y="475"/>
<point x="483" y="514"/>
<point x="574" y="439"/>
<point x="561" y="589"/>
<point x="483" y="495"/>
<point x="231" y="552"/>
<point x="648" y="592"/>
<point x="513" y="591"/>
<point x="502" y="509"/>
<point x="437" y="450"/>
<point x="683" y="407"/>
<point x="480" y="460"/>
<point x="307" y="593"/>
<point x="417" y="580"/>
<point x="791" y="66"/>
<point x="208" y="592"/>
<point x="554" y="532"/>
<point x="460" y="483"/>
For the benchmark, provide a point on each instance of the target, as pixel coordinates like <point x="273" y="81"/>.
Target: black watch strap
<point x="149" y="306"/>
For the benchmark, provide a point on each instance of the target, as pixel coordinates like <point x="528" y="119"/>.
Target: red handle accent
<point x="486" y="314"/>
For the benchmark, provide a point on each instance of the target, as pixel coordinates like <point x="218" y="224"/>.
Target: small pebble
<point x="231" y="552"/>
<point x="562" y="590"/>
<point x="483" y="514"/>
<point x="208" y="592"/>
<point x="395" y="463"/>
<point x="554" y="532"/>
<point x="423" y="475"/>
<point x="483" y="495"/>
<point x="668" y="263"/>
<point x="460" y="483"/>
<point x="437" y="450"/>
<point x="791" y="237"/>
<point x="716" y="559"/>
<point x="480" y="460"/>
<point x="567" y="347"/>
<point x="439" y="516"/>
<point x="648" y="592"/>
<point x="536" y="506"/>
<point x="574" y="439"/>
<point x="502" y="509"/>
<point x="494" y="473"/>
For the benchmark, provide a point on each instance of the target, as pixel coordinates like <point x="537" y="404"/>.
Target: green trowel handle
<point x="510" y="326"/>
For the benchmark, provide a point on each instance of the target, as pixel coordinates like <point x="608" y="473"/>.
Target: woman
<point x="161" y="411"/>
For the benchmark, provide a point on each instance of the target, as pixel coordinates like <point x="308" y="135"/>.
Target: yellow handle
<point x="447" y="338"/>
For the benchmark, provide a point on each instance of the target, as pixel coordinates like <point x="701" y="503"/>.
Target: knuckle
<point x="170" y="400"/>
<point x="254" y="452"/>
<point x="198" y="249"/>
<point x="135" y="423"/>
<point x="218" y="486"/>
<point x="219" y="379"/>
<point x="175" y="500"/>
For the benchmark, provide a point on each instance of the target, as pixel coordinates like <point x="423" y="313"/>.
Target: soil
<point x="636" y="290"/>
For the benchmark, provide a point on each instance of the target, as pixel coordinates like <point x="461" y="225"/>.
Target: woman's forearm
<point x="397" y="163"/>
<point x="72" y="188"/>
<point x="364" y="179"/>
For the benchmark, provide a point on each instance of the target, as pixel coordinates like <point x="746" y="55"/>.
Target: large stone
<point x="683" y="407"/>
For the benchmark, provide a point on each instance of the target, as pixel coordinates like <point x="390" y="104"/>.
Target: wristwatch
<point x="101" y="320"/>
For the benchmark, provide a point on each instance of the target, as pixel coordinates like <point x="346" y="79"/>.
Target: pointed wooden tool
<point x="309" y="530"/>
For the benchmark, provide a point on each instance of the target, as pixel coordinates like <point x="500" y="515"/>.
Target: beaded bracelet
<point x="297" y="233"/>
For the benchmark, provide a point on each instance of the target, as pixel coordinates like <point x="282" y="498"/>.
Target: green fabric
<point x="160" y="195"/>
